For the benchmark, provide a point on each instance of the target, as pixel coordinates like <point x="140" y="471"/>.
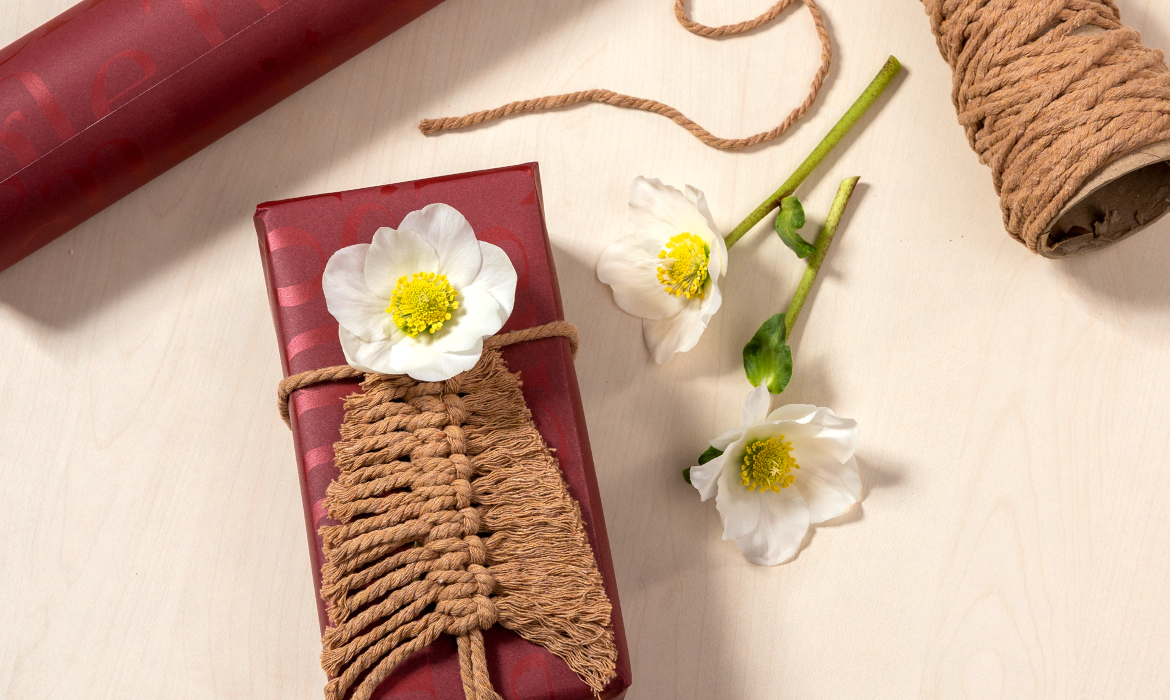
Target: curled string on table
<point x="1069" y="110"/>
<point x="617" y="99"/>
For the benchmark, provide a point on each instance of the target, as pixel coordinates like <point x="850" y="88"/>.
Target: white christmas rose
<point x="666" y="270"/>
<point x="779" y="473"/>
<point x="419" y="299"/>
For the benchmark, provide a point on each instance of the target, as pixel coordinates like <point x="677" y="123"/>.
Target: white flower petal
<point x="497" y="276"/>
<point x="696" y="197"/>
<point x="722" y="442"/>
<point x="395" y="254"/>
<point x="767" y="527"/>
<point x="368" y="356"/>
<point x="839" y="436"/>
<point x="679" y="333"/>
<point x="795" y="412"/>
<point x="449" y="233"/>
<point x="711" y="301"/>
<point x="783" y="522"/>
<point x="658" y="211"/>
<point x="830" y="487"/>
<point x="705" y="477"/>
<point x="738" y="507"/>
<point x="717" y="267"/>
<point x="763" y="431"/>
<point x="633" y="274"/>
<point x="755" y="406"/>
<point x="423" y="360"/>
<point x="479" y="315"/>
<point x="831" y="434"/>
<point x="347" y="297"/>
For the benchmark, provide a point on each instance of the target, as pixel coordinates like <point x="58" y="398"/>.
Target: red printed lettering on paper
<point x="206" y="20"/>
<point x="21" y="147"/>
<point x="131" y="155"/>
<point x="101" y="101"/>
<point x="356" y="217"/>
<point x="11" y="198"/>
<point x="80" y="178"/>
<point x="530" y="678"/>
<point x="44" y="100"/>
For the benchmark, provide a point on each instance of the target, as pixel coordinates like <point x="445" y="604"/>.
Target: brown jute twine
<point x="554" y="329"/>
<point x="452" y="517"/>
<point x="1050" y="92"/>
<point x="617" y="99"/>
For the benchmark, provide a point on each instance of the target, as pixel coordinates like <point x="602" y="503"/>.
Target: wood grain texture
<point x="1014" y="541"/>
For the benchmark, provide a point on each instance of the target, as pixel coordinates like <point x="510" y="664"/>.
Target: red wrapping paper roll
<point x="103" y="98"/>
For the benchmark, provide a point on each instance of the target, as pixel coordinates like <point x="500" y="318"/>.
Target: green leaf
<point x="687" y="475"/>
<point x="709" y="454"/>
<point x="767" y="359"/>
<point x="789" y="220"/>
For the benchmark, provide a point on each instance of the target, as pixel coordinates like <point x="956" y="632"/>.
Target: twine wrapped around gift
<point x="452" y="516"/>
<point x="1070" y="111"/>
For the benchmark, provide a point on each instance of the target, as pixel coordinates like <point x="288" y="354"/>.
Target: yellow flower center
<point x="685" y="271"/>
<point x="768" y="465"/>
<point x="422" y="303"/>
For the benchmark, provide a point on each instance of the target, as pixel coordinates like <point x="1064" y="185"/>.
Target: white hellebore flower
<point x="666" y="270"/>
<point x="421" y="298"/>
<point x="779" y="473"/>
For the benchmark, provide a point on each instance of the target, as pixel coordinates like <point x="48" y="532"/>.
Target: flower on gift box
<point x="419" y="299"/>
<point x="777" y="474"/>
<point x="666" y="270"/>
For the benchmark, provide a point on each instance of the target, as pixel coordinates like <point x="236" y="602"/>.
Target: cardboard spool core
<point x="1118" y="201"/>
<point x="1121" y="199"/>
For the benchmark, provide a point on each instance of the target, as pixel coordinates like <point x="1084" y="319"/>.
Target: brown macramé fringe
<point x="453" y="515"/>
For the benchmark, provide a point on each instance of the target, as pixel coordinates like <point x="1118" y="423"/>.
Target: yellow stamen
<point x="422" y="303"/>
<point x="768" y="465"/>
<point x="685" y="271"/>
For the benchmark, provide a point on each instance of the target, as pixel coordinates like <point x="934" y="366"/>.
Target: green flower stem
<point x="842" y="127"/>
<point x="824" y="240"/>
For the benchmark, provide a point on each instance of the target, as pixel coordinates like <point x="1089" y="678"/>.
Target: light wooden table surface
<point x="1014" y="541"/>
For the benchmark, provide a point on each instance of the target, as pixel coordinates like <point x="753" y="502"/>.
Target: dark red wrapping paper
<point x="110" y="94"/>
<point x="504" y="207"/>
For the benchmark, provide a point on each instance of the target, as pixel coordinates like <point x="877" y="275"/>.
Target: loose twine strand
<point x="617" y="99"/>
<point x="1049" y="92"/>
<point x="288" y="385"/>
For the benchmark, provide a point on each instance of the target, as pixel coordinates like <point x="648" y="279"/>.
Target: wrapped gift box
<point x="504" y="207"/>
<point x="103" y="98"/>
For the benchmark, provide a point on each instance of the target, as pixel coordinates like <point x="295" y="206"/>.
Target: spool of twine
<point x="1069" y="110"/>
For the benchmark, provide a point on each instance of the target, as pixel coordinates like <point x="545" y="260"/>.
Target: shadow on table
<point x="57" y="287"/>
<point x="646" y="424"/>
<point x="1132" y="272"/>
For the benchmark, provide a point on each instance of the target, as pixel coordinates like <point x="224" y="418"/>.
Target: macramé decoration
<point x="453" y="516"/>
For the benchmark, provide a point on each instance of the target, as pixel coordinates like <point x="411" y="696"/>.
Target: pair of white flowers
<point x="779" y="472"/>
<point x="420" y="300"/>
